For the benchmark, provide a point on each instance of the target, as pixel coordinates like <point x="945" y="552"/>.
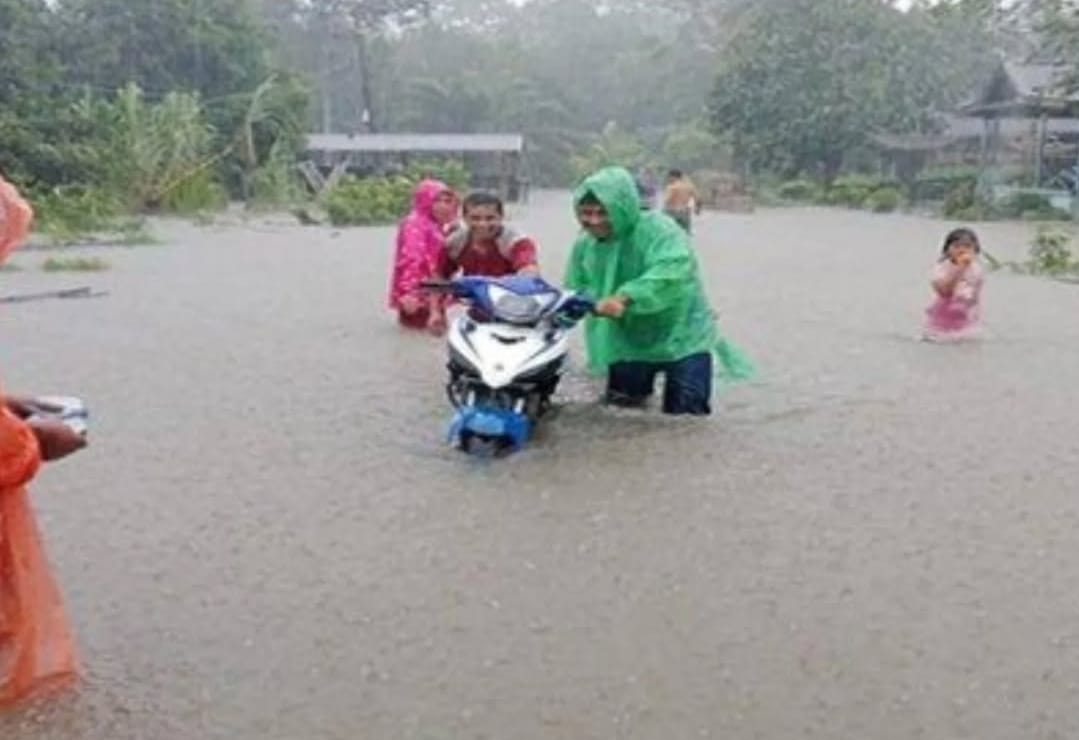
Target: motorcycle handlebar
<point x="578" y="307"/>
<point x="445" y="286"/>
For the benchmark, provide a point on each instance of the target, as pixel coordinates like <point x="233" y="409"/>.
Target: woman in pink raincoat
<point x="420" y="240"/>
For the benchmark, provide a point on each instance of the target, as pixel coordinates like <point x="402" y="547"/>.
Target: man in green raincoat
<point x="653" y="316"/>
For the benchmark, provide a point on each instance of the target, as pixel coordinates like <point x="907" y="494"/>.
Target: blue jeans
<point x="688" y="389"/>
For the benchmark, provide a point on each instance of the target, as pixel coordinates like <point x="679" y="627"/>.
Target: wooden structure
<point x="1023" y="121"/>
<point x="905" y="155"/>
<point x="496" y="162"/>
<point x="1037" y="95"/>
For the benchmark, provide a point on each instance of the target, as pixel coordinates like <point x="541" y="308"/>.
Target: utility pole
<point x="199" y="70"/>
<point x="326" y="47"/>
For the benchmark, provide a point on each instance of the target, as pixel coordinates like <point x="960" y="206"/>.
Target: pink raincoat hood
<point x="425" y="195"/>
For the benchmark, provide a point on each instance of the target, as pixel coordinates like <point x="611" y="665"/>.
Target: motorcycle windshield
<point x="517" y="308"/>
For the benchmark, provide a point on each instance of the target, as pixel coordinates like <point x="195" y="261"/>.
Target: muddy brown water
<point x="268" y="540"/>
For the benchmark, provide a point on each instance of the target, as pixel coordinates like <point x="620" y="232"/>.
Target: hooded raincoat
<point x="420" y="242"/>
<point x="36" y="647"/>
<point x="649" y="260"/>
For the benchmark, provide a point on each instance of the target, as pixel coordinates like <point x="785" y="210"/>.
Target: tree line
<point x="220" y="92"/>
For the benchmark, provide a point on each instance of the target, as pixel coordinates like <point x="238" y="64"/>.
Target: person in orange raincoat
<point x="37" y="651"/>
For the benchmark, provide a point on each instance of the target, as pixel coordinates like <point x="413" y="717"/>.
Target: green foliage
<point x="801" y="191"/>
<point x="76" y="215"/>
<point x="268" y="130"/>
<point x="165" y="144"/>
<point x="960" y="200"/>
<point x="369" y="201"/>
<point x="801" y="83"/>
<point x="215" y="48"/>
<point x="196" y="194"/>
<point x="163" y="156"/>
<point x="884" y="200"/>
<point x="450" y="171"/>
<point x="1050" y="214"/>
<point x="76" y="208"/>
<point x="962" y="204"/>
<point x="613" y="147"/>
<point x="375" y="201"/>
<point x="147" y="156"/>
<point x="1051" y="254"/>
<point x="973" y="213"/>
<point x="74" y="264"/>
<point x="805" y="82"/>
<point x="1029" y="207"/>
<point x="1019" y="203"/>
<point x="693" y="147"/>
<point x="276" y="183"/>
<point x="187" y="70"/>
<point x="853" y="191"/>
<point x="941" y="183"/>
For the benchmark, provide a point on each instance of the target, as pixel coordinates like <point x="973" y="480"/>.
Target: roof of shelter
<point x="401" y="143"/>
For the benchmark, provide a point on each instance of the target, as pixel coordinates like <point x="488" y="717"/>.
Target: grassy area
<point x="74" y="264"/>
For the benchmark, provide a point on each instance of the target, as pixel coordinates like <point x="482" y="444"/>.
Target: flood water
<point x="268" y="540"/>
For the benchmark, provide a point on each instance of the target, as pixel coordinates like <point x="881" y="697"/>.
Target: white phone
<point x="67" y="409"/>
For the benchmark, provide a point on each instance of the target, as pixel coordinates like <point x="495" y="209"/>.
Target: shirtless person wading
<point x="680" y="200"/>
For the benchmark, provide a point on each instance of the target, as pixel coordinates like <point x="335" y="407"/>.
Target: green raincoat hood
<point x="616" y="189"/>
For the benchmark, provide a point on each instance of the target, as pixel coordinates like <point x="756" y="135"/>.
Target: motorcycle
<point x="507" y="354"/>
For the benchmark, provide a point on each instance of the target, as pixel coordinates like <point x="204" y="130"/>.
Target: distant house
<point x="1024" y="118"/>
<point x="496" y="162"/>
<point x="1025" y="91"/>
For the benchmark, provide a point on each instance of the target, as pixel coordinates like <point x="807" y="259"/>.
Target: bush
<point x="884" y="200"/>
<point x="613" y="146"/>
<point x="1017" y="204"/>
<point x="1046" y="214"/>
<point x="276" y="183"/>
<point x="693" y="147"/>
<point x="1050" y="253"/>
<point x="960" y="199"/>
<point x="450" y="171"/>
<point x="939" y="183"/>
<point x="973" y="212"/>
<point x="374" y="201"/>
<point x="76" y="209"/>
<point x="199" y="193"/>
<point x="853" y="191"/>
<point x="74" y="214"/>
<point x="74" y="264"/>
<point x="369" y="202"/>
<point x="800" y="191"/>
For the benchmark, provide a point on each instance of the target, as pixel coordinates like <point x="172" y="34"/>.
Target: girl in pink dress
<point x="957" y="280"/>
<point x="420" y="241"/>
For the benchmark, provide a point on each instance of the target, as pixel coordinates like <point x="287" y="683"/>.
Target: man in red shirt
<point x="483" y="245"/>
